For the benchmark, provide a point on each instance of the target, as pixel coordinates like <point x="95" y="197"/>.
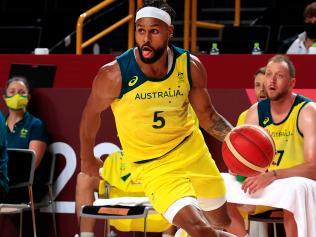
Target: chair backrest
<point x="21" y="167"/>
<point x="241" y="39"/>
<point x="46" y="168"/>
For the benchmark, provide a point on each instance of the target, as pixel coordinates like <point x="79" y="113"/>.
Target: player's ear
<point x="293" y="82"/>
<point x="170" y="30"/>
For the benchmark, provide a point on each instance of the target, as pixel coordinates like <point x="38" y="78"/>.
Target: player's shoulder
<point x="252" y="116"/>
<point x="110" y="68"/>
<point x="253" y="108"/>
<point x="198" y="72"/>
<point x="194" y="60"/>
<point x="108" y="81"/>
<point x="309" y="109"/>
<point x="109" y="72"/>
<point x="122" y="63"/>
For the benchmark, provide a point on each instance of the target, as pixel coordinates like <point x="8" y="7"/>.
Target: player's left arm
<point x="307" y="126"/>
<point x="210" y="120"/>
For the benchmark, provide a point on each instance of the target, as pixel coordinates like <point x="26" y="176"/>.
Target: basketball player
<point x="149" y="89"/>
<point x="260" y="92"/>
<point x="291" y="120"/>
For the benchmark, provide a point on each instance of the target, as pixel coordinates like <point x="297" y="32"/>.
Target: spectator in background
<point x="259" y="91"/>
<point x="3" y="160"/>
<point x="306" y="39"/>
<point x="24" y="131"/>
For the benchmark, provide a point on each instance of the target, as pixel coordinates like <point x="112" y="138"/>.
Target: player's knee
<point x="301" y="187"/>
<point x="224" y="221"/>
<point x="288" y="216"/>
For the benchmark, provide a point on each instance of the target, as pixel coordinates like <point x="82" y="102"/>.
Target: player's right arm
<point x="106" y="88"/>
<point x="252" y="115"/>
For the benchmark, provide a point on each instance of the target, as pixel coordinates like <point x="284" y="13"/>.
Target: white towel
<point x="123" y="201"/>
<point x="295" y="194"/>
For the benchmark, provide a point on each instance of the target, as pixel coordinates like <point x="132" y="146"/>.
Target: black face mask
<point x="310" y="30"/>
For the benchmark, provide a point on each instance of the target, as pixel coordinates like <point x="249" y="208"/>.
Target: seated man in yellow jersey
<point x="115" y="172"/>
<point x="291" y="120"/>
<point x="259" y="91"/>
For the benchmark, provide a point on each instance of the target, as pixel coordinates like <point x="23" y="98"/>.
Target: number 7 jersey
<point x="152" y="116"/>
<point x="288" y="139"/>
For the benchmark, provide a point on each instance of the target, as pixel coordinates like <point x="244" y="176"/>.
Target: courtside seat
<point x="271" y="217"/>
<point x="126" y="214"/>
<point x="21" y="167"/>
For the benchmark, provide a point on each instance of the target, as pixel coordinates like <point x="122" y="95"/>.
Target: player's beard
<point x="278" y="96"/>
<point x="157" y="53"/>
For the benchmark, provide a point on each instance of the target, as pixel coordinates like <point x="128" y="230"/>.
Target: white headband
<point x="155" y="13"/>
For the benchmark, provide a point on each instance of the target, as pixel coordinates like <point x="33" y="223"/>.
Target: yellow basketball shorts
<point x="186" y="171"/>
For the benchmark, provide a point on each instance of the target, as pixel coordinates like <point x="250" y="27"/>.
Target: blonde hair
<point x="287" y="60"/>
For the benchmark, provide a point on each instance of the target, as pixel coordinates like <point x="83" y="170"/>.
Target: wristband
<point x="274" y="173"/>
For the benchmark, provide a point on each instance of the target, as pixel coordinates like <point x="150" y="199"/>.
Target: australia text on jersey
<point x="158" y="94"/>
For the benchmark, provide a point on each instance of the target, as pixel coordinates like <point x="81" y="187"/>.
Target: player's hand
<point x="232" y="173"/>
<point x="91" y="166"/>
<point x="255" y="183"/>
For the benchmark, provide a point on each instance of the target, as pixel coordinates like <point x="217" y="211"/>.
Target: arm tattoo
<point x="218" y="127"/>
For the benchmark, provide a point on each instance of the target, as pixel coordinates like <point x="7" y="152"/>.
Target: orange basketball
<point x="248" y="150"/>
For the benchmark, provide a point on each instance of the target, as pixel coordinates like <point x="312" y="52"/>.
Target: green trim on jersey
<point x="132" y="76"/>
<point x="264" y="110"/>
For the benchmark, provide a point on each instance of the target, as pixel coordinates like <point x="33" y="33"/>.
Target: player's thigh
<point x="205" y="177"/>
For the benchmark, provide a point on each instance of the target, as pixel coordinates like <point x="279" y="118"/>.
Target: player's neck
<point x="281" y="107"/>
<point x="157" y="69"/>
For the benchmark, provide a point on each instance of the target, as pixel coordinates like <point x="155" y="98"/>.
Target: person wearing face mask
<point x="305" y="40"/>
<point x="25" y="131"/>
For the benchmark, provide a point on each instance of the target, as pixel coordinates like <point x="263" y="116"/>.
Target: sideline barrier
<point x="224" y="70"/>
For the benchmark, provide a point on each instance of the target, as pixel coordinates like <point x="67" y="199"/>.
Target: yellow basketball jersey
<point x="242" y="118"/>
<point x="152" y="115"/>
<point x="286" y="134"/>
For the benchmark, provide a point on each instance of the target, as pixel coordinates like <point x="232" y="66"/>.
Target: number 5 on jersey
<point x="159" y="121"/>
